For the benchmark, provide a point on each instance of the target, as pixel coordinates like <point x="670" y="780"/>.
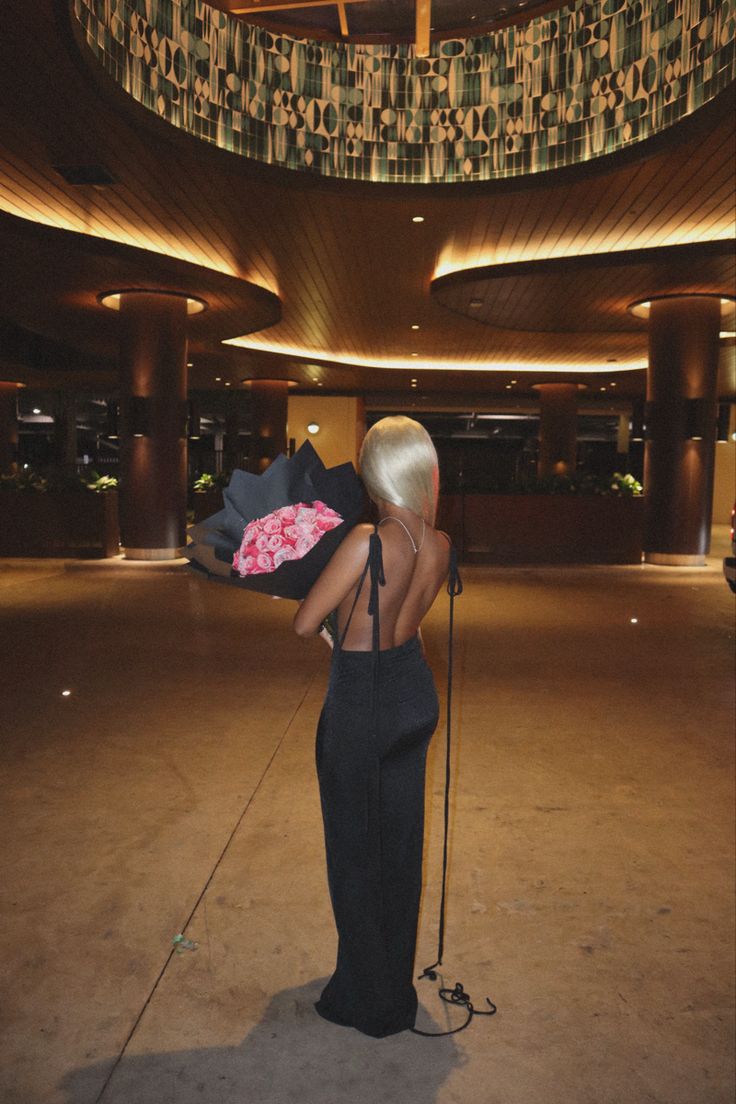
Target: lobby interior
<point x="222" y="224"/>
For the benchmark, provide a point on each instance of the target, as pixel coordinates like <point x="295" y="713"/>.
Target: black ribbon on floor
<point x="458" y="994"/>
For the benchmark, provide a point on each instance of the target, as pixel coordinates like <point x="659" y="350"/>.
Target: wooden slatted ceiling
<point x="352" y="270"/>
<point x="586" y="294"/>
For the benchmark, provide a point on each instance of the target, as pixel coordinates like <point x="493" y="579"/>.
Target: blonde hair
<point x="398" y="463"/>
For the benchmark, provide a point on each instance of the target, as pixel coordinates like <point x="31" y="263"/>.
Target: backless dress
<point x="377" y="720"/>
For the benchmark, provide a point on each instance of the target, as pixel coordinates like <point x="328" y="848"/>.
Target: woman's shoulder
<point x="357" y="542"/>
<point x="440" y="551"/>
<point x="360" y="534"/>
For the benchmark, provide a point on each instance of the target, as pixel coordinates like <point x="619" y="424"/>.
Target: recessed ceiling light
<point x="190" y="364"/>
<point x="514" y="381"/>
<point x="418" y="218"/>
<point x="508" y="386"/>
<point x="66" y="693"/>
<point x="476" y="303"/>
<point x="415" y="354"/>
<point x="37" y="410"/>
<point x="415" y="326"/>
<point x="313" y="427"/>
<point x="218" y="379"/>
<point x="227" y="383"/>
<point x="603" y="389"/>
<point x="613" y="383"/>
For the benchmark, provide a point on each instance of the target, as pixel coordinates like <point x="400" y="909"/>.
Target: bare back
<point x="413" y="580"/>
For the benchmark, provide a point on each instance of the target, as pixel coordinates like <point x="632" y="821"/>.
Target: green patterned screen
<point x="570" y="85"/>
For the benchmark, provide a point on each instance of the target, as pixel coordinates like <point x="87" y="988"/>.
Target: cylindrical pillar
<point x="231" y="436"/>
<point x="558" y="411"/>
<point x="153" y="457"/>
<point x="681" y="427"/>
<point x="8" y="427"/>
<point x="65" y="430"/>
<point x="269" y="412"/>
<point x="622" y="435"/>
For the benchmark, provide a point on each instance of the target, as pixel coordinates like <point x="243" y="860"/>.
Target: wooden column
<point x="153" y="456"/>
<point x="269" y="407"/>
<point x="681" y="428"/>
<point x="558" y="416"/>
<point x="65" y="430"/>
<point x="8" y="427"/>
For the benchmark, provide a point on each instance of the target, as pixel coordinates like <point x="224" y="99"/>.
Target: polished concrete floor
<point x="173" y="791"/>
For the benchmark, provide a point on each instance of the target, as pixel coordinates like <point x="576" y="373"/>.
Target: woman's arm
<point x="339" y="576"/>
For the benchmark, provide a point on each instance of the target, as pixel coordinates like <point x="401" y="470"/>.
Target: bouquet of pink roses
<point x="287" y="533"/>
<point x="277" y="531"/>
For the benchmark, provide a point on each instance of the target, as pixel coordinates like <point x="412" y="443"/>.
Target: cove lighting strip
<point x="417" y="365"/>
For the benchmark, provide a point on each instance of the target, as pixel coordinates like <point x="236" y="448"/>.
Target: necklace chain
<point x="392" y="517"/>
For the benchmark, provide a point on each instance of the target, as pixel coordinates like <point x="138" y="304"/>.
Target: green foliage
<point x="207" y="482"/>
<point x="616" y="485"/>
<point x="101" y="483"/>
<point x="56" y="480"/>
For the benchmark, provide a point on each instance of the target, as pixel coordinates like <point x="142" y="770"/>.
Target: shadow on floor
<point x="291" y="1057"/>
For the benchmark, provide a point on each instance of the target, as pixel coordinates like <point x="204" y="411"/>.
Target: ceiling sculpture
<point x="570" y="85"/>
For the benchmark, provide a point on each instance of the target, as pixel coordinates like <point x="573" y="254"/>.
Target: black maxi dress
<point x="378" y="717"/>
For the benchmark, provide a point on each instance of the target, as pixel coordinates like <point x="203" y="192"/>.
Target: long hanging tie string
<point x="373" y="823"/>
<point x="458" y="994"/>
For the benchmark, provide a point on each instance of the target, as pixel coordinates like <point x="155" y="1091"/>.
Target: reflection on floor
<point x="172" y="790"/>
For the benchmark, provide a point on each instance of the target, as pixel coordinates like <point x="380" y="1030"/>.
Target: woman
<point x="378" y="717"/>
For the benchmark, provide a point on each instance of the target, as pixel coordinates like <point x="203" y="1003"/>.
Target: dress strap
<point x="374" y="564"/>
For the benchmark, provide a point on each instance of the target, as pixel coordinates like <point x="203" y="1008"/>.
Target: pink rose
<point x="325" y="523"/>
<point x="287" y="514"/>
<point x="283" y="554"/>
<point x="262" y="542"/>
<point x="275" y="542"/>
<point x="291" y="532"/>
<point x="304" y="545"/>
<point x="271" y="525"/>
<point x="264" y="561"/>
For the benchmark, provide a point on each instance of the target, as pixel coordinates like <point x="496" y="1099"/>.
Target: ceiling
<point x="379" y="20"/>
<point x="352" y="271"/>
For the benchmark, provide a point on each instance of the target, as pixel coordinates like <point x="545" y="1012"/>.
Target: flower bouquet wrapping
<point x="278" y="530"/>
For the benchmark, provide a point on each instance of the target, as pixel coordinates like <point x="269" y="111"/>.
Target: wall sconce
<point x="313" y="428"/>
<point x="695" y="418"/>
<point x="194" y="422"/>
<point x="138" y="416"/>
<point x="111" y="421"/>
<point x="722" y="424"/>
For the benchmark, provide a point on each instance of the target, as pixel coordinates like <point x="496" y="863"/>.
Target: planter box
<point x="206" y="503"/>
<point x="544" y="529"/>
<point x="59" y="523"/>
